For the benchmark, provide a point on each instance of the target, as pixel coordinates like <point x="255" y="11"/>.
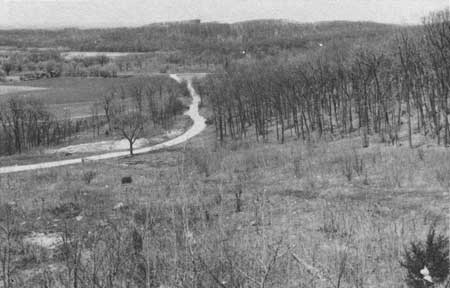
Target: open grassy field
<point x="76" y="95"/>
<point x="242" y="214"/>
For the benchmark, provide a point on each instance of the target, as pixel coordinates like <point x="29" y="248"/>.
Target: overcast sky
<point x="102" y="13"/>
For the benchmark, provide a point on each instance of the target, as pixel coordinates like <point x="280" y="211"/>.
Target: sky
<point x="114" y="13"/>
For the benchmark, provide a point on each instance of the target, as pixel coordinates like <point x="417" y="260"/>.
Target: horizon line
<point x="104" y="25"/>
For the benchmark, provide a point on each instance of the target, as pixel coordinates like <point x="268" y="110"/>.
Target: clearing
<point x="113" y="145"/>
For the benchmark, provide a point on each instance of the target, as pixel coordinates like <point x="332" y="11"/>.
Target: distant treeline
<point x="36" y="64"/>
<point x="371" y="88"/>
<point x="258" y="37"/>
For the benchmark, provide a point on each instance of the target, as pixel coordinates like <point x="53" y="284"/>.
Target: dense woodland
<point x="340" y="88"/>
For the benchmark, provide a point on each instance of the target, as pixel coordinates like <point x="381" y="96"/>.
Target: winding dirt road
<point x="193" y="112"/>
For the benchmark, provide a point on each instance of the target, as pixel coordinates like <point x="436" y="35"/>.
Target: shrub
<point x="298" y="167"/>
<point x="442" y="175"/>
<point x="421" y="154"/>
<point x="198" y="159"/>
<point x="347" y="168"/>
<point x="352" y="163"/>
<point x="88" y="176"/>
<point x="432" y="254"/>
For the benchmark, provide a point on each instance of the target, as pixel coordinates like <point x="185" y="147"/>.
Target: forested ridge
<point x="196" y="37"/>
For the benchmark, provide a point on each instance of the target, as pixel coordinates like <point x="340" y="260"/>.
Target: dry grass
<point x="303" y="222"/>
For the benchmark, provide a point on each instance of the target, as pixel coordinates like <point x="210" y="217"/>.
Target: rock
<point x="103" y="223"/>
<point x="118" y="206"/>
<point x="12" y="204"/>
<point x="48" y="241"/>
<point x="67" y="210"/>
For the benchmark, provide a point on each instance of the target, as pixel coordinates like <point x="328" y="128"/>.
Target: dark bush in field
<point x="127" y="180"/>
<point x="67" y="210"/>
<point x="88" y="176"/>
<point x="429" y="258"/>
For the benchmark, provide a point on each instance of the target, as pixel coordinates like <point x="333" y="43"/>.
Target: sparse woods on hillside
<point x="370" y="88"/>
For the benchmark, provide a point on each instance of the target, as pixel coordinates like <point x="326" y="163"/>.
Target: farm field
<point x="82" y="54"/>
<point x="8" y="89"/>
<point x="68" y="95"/>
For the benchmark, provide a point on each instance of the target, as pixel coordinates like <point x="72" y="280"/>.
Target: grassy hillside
<point x="239" y="215"/>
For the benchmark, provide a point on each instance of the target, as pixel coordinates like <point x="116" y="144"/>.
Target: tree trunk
<point x="131" y="146"/>
<point x="408" y="107"/>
